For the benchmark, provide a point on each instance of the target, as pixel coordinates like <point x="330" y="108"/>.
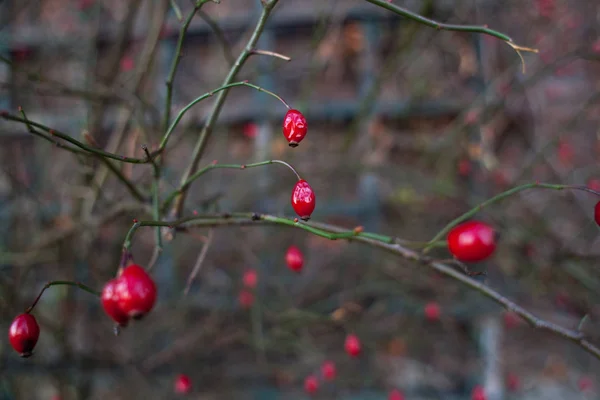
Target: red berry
<point x="464" y="167"/>
<point x="294" y="259"/>
<point x="395" y="395"/>
<point x="110" y="303"/>
<point x="311" y="384"/>
<point x="565" y="153"/>
<point x="23" y="334"/>
<point x="432" y="311"/>
<point x="294" y="127"/>
<point x="183" y="384"/>
<point x="250" y="278"/>
<point x="597" y="213"/>
<point x="594" y="184"/>
<point x="328" y="370"/>
<point x="478" y="393"/>
<point x="136" y="291"/>
<point x="512" y="382"/>
<point x="472" y="241"/>
<point x="303" y="199"/>
<point x="352" y="345"/>
<point x="246" y="298"/>
<point x="585" y="384"/>
<point x="250" y="130"/>
<point x="511" y="319"/>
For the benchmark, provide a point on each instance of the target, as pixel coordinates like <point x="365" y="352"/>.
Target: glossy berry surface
<point x="311" y="384"/>
<point x="303" y="199"/>
<point x="478" y="393"/>
<point x="328" y="370"/>
<point x="432" y="311"/>
<point x="294" y="127"/>
<point x="352" y="345"/>
<point x="183" y="384"/>
<point x="136" y="292"/>
<point x="294" y="259"/>
<point x="395" y="395"/>
<point x="110" y="303"/>
<point x="472" y="241"/>
<point x="597" y="213"/>
<point x="23" y="334"/>
<point x="250" y="278"/>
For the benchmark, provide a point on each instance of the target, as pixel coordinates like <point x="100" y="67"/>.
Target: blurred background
<point x="409" y="127"/>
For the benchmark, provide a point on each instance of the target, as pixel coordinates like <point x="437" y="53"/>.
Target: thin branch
<point x="218" y="105"/>
<point x="501" y="196"/>
<point x="185" y="185"/>
<point x="221" y="89"/>
<point x="383" y="242"/>
<point x="271" y="54"/>
<point x="199" y="262"/>
<point x="56" y="283"/>
<point x="220" y="35"/>
<point x="155" y="207"/>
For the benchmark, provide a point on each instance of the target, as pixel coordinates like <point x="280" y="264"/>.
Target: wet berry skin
<point x="294" y="127"/>
<point x="136" y="291"/>
<point x="23" y="334"/>
<point x="303" y="199"/>
<point x="472" y="241"/>
<point x="352" y="345"/>
<point x="110" y="303"/>
<point x="294" y="259"/>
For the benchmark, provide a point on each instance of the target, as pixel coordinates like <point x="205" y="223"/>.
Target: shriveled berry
<point x="432" y="311"/>
<point x="328" y="370"/>
<point x="352" y="345"/>
<point x="110" y="303"/>
<point x="472" y="241"/>
<point x="395" y="394"/>
<point x="250" y="278"/>
<point x="311" y="384"/>
<point x="303" y="199"/>
<point x="597" y="213"/>
<point x="294" y="127"/>
<point x="294" y="259"/>
<point x="136" y="291"/>
<point x="183" y="384"/>
<point x="23" y="334"/>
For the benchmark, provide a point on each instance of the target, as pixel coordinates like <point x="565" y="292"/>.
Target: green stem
<point x="155" y="200"/>
<point x="56" y="283"/>
<point x="185" y="109"/>
<point x="497" y="198"/>
<point x="218" y="104"/>
<point x="438" y="25"/>
<point x="177" y="58"/>
<point x="185" y="185"/>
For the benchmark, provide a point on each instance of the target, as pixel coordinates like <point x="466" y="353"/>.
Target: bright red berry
<point x="311" y="384"/>
<point x="136" y="291"/>
<point x="110" y="303"/>
<point x="303" y="199"/>
<point x="478" y="393"/>
<point x="23" y="334"/>
<point x="246" y="298"/>
<point x="294" y="259"/>
<point x="328" y="370"/>
<point x="183" y="384"/>
<point x="250" y="278"/>
<point x="432" y="311"/>
<point x="512" y="382"/>
<point x="472" y="241"/>
<point x="597" y="213"/>
<point x="352" y="345"/>
<point x="395" y="395"/>
<point x="294" y="127"/>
